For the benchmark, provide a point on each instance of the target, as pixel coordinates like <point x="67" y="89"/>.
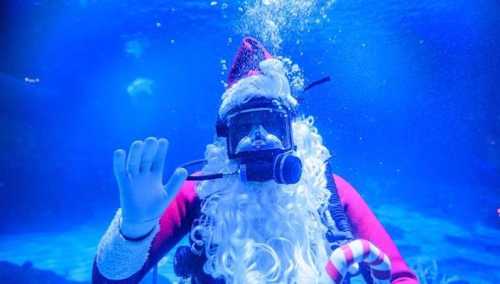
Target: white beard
<point x="265" y="232"/>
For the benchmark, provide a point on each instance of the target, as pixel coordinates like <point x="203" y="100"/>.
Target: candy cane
<point x="359" y="251"/>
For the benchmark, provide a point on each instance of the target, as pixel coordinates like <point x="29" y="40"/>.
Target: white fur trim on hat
<point x="272" y="83"/>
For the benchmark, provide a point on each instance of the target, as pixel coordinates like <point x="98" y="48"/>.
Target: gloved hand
<point x="143" y="197"/>
<point x="348" y="256"/>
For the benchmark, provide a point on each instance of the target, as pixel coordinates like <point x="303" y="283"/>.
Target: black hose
<point x="205" y="177"/>
<point x="335" y="205"/>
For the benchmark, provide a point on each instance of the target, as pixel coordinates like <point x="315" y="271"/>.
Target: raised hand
<point x="139" y="175"/>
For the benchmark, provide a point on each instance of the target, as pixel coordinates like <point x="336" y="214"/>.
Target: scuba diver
<point x="264" y="208"/>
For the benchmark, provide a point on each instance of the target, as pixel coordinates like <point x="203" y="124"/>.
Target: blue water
<point x="411" y="114"/>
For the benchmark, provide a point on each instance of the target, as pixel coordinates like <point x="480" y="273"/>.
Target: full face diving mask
<point x="259" y="137"/>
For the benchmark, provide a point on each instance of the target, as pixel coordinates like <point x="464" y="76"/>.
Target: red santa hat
<point x="255" y="73"/>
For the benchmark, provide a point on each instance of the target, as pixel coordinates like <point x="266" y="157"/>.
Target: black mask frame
<point x="222" y="126"/>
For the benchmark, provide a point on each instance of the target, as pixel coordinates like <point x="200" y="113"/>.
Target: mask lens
<point x="258" y="127"/>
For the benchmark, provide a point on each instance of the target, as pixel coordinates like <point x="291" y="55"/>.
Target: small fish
<point x="135" y="47"/>
<point x="31" y="80"/>
<point x="140" y="87"/>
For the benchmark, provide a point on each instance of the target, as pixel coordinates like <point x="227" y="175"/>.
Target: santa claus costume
<point x="266" y="207"/>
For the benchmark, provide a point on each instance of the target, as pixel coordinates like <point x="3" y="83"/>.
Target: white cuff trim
<point x="118" y="258"/>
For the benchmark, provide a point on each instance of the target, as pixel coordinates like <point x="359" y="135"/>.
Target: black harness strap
<point x="340" y="232"/>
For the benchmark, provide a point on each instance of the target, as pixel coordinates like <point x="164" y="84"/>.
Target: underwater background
<point x="412" y="115"/>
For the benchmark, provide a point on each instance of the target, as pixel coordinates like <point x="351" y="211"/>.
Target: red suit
<point x="177" y="220"/>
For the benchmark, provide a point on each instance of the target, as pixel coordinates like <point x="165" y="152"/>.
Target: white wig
<point x="265" y="232"/>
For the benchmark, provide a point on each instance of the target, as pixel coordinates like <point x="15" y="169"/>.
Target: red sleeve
<point x="366" y="226"/>
<point x="175" y="222"/>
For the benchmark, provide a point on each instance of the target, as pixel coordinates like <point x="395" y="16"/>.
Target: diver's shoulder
<point x="341" y="181"/>
<point x="188" y="191"/>
<point x="343" y="186"/>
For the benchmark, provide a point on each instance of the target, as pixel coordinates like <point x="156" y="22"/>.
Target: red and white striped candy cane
<point x="355" y="252"/>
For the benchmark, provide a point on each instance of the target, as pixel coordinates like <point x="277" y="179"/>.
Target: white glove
<point x="143" y="198"/>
